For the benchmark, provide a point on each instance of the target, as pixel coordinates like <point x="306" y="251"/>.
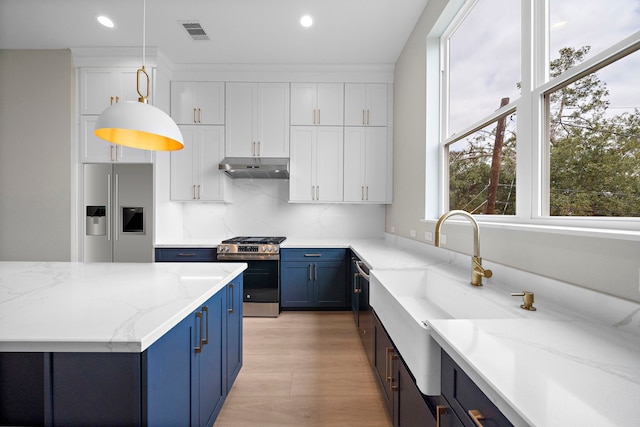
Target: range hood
<point x="255" y="167"/>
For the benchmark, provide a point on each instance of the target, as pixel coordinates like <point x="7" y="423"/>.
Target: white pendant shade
<point x="139" y="125"/>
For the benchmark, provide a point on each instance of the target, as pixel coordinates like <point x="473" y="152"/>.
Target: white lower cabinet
<point x="316" y="164"/>
<point x="194" y="169"/>
<point x="97" y="150"/>
<point x="367" y="166"/>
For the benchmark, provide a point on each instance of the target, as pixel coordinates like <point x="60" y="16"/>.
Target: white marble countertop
<point x="574" y="362"/>
<point x="549" y="372"/>
<point x="579" y="367"/>
<point x="100" y="307"/>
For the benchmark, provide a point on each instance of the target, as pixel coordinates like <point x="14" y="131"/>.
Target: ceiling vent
<point x="195" y="30"/>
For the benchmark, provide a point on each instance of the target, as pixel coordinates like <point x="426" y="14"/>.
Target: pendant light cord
<point x="144" y="24"/>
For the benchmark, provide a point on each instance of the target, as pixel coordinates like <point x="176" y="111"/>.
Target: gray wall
<point x="36" y="134"/>
<point x="607" y="264"/>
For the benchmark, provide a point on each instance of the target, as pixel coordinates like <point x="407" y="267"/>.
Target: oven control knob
<point x="226" y="248"/>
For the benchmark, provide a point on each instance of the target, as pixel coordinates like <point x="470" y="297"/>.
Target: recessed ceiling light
<point x="106" y="21"/>
<point x="306" y="21"/>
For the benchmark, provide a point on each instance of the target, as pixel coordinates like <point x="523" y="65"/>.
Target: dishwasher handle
<point x="361" y="271"/>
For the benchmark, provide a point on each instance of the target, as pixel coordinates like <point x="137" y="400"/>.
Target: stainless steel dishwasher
<point x="362" y="314"/>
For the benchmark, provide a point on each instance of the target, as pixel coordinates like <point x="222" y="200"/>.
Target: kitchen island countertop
<point x="100" y="307"/>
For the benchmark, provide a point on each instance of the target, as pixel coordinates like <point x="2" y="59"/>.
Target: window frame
<point x="532" y="153"/>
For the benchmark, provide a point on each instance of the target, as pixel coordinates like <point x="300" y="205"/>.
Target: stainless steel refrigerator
<point x="118" y="209"/>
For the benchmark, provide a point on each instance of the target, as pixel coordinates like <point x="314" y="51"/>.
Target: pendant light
<point x="138" y="124"/>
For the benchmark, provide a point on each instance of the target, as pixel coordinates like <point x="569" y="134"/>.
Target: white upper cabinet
<point x="101" y="87"/>
<point x="194" y="169"/>
<point x="316" y="168"/>
<point x="367" y="165"/>
<point x="317" y="104"/>
<point x="97" y="150"/>
<point x="197" y="103"/>
<point x="365" y="104"/>
<point x="257" y="120"/>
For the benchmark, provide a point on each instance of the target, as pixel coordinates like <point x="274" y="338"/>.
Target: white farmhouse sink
<point x="403" y="299"/>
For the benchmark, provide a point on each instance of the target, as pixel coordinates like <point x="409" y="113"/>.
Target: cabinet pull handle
<point x="362" y="193"/>
<point x="313" y="192"/>
<point x="387" y="369"/>
<point x="314" y="116"/>
<point x="117" y="99"/>
<point x="233" y="302"/>
<point x="194" y="115"/>
<point x="317" y="192"/>
<point x="393" y="356"/>
<point x="367" y="193"/>
<point x="259" y="149"/>
<point x="316" y="269"/>
<point x="185" y="254"/>
<point x="198" y="191"/>
<point x="199" y="115"/>
<point x="205" y="309"/>
<point x="355" y="283"/>
<point x="363" y="121"/>
<point x="368" y="117"/>
<point x="318" y="116"/>
<point x="194" y="191"/>
<point x="441" y="410"/>
<point x="309" y="269"/>
<point x="476" y="416"/>
<point x="312" y="255"/>
<point x="198" y="348"/>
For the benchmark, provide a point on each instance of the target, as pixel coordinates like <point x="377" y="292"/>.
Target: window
<point x="482" y="169"/>
<point x="594" y="141"/>
<point x="484" y="71"/>
<point x="480" y="74"/>
<point x="578" y="111"/>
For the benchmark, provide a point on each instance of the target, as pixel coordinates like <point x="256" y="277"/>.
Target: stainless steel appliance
<point x="262" y="277"/>
<point x="118" y="209"/>
<point x="362" y="314"/>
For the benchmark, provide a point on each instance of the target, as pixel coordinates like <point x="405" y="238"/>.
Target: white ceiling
<point x="240" y="31"/>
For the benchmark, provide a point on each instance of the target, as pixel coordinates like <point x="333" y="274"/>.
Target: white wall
<point x="37" y="93"/>
<point x="607" y="264"/>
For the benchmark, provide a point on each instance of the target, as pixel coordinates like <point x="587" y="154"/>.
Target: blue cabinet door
<point x="208" y="390"/>
<point x="329" y="284"/>
<point x="234" y="331"/>
<point x="296" y="284"/>
<point x="166" y="370"/>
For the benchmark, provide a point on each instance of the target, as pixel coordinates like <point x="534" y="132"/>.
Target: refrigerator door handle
<point x="108" y="207"/>
<point x="116" y="211"/>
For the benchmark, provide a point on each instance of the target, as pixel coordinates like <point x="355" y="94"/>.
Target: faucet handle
<point x="527" y="299"/>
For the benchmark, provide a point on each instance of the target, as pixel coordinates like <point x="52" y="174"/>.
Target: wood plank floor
<point x="304" y="369"/>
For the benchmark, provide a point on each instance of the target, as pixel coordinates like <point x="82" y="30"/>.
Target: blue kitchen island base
<point x="182" y="379"/>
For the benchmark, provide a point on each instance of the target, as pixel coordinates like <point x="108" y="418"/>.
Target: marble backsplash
<point x="261" y="207"/>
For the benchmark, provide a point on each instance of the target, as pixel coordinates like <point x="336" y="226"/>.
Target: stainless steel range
<point x="262" y="277"/>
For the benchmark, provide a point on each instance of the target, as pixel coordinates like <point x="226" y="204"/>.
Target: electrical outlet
<point x="443" y="239"/>
<point x="393" y="228"/>
<point x="412" y="233"/>
<point x="428" y="236"/>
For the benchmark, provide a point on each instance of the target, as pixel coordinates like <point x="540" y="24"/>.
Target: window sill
<point x="604" y="228"/>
